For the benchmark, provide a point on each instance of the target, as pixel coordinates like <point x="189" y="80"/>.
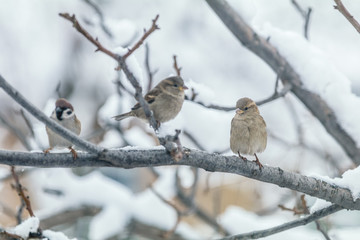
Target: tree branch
<point x="261" y="47"/>
<point x="121" y="61"/>
<point x="340" y="6"/>
<point x="296" y="223"/>
<point x="210" y="162"/>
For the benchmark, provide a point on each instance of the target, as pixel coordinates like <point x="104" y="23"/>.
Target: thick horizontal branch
<point x="17" y="96"/>
<point x="195" y="158"/>
<point x="261" y="47"/>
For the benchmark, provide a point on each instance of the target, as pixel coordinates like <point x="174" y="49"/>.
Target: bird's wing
<point x="149" y="97"/>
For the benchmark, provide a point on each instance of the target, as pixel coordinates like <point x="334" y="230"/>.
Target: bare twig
<point x="192" y="138"/>
<point x="69" y="216"/>
<point x="305" y="15"/>
<point x="101" y="16"/>
<point x="147" y="33"/>
<point x="179" y="213"/>
<point x="340" y="6"/>
<point x="17" y="132"/>
<point x="286" y="226"/>
<point x="189" y="201"/>
<point x="147" y="67"/>
<point x="20" y="191"/>
<point x="176" y="67"/>
<point x="293" y="210"/>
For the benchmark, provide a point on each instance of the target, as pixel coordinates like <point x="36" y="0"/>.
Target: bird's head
<point x="63" y="109"/>
<point x="245" y="105"/>
<point x="174" y="85"/>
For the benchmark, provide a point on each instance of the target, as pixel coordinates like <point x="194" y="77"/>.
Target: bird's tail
<point x="123" y="116"/>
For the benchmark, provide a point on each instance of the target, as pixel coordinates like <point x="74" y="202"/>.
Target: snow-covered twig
<point x="135" y="158"/>
<point x="12" y="92"/>
<point x="261" y="47"/>
<point x="340" y="6"/>
<point x="286" y="226"/>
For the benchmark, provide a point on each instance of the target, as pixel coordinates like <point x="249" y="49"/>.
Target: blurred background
<point x="44" y="57"/>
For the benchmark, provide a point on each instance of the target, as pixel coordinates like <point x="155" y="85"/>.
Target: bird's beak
<point x="239" y="111"/>
<point x="59" y="112"/>
<point x="182" y="88"/>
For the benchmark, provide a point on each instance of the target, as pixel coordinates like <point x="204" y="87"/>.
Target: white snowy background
<point x="39" y="49"/>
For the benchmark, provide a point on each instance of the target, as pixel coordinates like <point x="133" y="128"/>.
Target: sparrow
<point x="165" y="101"/>
<point x="248" y="130"/>
<point x="64" y="115"/>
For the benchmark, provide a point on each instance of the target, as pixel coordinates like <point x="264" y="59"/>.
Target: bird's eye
<point x="246" y="108"/>
<point x="175" y="85"/>
<point x="68" y="112"/>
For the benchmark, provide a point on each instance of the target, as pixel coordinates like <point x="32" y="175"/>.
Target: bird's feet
<point x="46" y="151"/>
<point x="74" y="153"/>
<point x="242" y="157"/>
<point x="258" y="162"/>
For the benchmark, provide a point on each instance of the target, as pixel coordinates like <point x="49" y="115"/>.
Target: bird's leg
<point x="46" y="151"/>
<point x="242" y="157"/>
<point x="74" y="153"/>
<point x="258" y="162"/>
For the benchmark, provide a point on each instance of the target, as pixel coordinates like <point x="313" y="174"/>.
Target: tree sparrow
<point x="65" y="116"/>
<point x="165" y="100"/>
<point x="248" y="130"/>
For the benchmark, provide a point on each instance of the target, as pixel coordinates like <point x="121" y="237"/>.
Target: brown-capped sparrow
<point x="248" y="130"/>
<point x="64" y="115"/>
<point x="165" y="100"/>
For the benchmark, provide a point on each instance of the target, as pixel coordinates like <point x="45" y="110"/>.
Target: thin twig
<point x="147" y="33"/>
<point x="286" y="226"/>
<point x="28" y="123"/>
<point x="17" y="132"/>
<point x="305" y="14"/>
<point x="340" y="6"/>
<point x="176" y="66"/>
<point x="20" y="191"/>
<point x="20" y="211"/>
<point x="101" y="16"/>
<point x="148" y="68"/>
<point x="177" y="210"/>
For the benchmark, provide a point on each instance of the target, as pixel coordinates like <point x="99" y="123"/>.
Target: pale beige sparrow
<point x="248" y="130"/>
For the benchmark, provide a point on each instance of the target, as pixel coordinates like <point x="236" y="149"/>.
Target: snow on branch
<point x="135" y="158"/>
<point x="267" y="52"/>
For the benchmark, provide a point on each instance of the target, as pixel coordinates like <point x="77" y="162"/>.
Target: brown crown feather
<point x="63" y="103"/>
